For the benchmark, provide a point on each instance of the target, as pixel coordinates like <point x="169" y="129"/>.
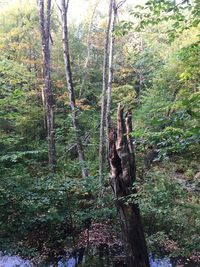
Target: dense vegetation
<point x="156" y="74"/>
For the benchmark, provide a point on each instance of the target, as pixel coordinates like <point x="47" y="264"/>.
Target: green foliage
<point x="123" y="28"/>
<point x="166" y="208"/>
<point x="157" y="80"/>
<point x="124" y="94"/>
<point x="169" y="111"/>
<point x="180" y="16"/>
<point x="46" y="209"/>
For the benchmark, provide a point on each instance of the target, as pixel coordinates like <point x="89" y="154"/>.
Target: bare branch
<point x="120" y="4"/>
<point x="58" y="6"/>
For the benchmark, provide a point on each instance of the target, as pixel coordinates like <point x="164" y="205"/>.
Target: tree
<point x="110" y="65"/>
<point x="45" y="25"/>
<point x="122" y="178"/>
<point x="107" y="83"/>
<point x="102" y="147"/>
<point x="70" y="86"/>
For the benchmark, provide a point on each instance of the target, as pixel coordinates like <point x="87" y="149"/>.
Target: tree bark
<point x="70" y="86"/>
<point x="45" y="24"/>
<point x="110" y="65"/>
<point x="122" y="177"/>
<point x="102" y="147"/>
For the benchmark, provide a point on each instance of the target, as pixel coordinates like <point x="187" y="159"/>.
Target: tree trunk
<point x="45" y="23"/>
<point x="64" y="9"/>
<point x="122" y="177"/>
<point x="110" y="65"/>
<point x="102" y="147"/>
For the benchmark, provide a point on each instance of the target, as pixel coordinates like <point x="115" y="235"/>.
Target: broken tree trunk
<point x="122" y="177"/>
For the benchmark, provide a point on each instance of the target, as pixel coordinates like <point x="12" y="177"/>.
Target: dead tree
<point x="70" y="87"/>
<point x="122" y="177"/>
<point x="45" y="24"/>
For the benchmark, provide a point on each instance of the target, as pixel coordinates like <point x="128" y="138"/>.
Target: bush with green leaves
<point x="47" y="210"/>
<point x="166" y="207"/>
<point x="169" y="113"/>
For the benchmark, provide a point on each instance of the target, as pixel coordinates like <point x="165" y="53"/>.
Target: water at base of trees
<point x="99" y="259"/>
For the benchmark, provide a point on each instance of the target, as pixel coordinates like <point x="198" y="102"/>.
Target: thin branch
<point x="120" y="4"/>
<point x="58" y="6"/>
<point x="67" y="5"/>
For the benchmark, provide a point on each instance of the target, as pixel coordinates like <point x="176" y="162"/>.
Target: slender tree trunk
<point x="122" y="177"/>
<point x="110" y="65"/>
<point x="45" y="23"/>
<point x="64" y="10"/>
<point x="102" y="147"/>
